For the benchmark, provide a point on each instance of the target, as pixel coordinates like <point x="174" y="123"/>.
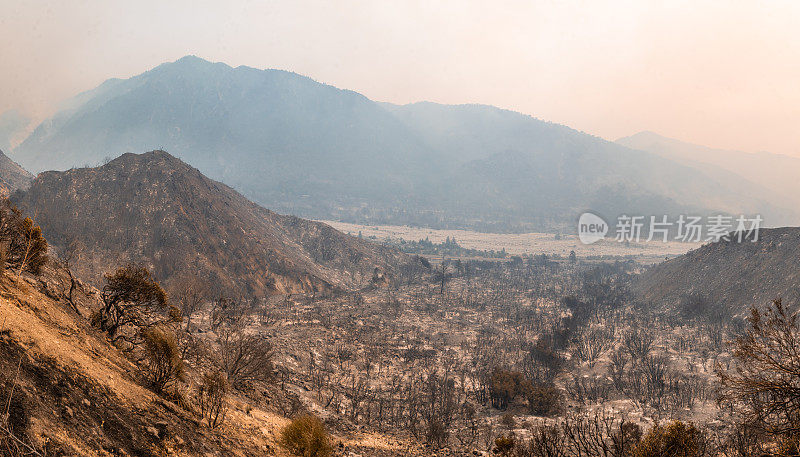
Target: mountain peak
<point x="190" y="65"/>
<point x="647" y="135"/>
<point x="193" y="60"/>
<point x="146" y="157"/>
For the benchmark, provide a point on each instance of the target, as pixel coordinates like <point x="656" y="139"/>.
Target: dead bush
<point x="762" y="386"/>
<point x="544" y="400"/>
<point x="14" y="421"/>
<point x="24" y="246"/>
<point x="507" y="420"/>
<point x="190" y="292"/>
<point x="678" y="439"/>
<point x="546" y="440"/>
<point x="306" y="436"/>
<point x="211" y="398"/>
<point x="163" y="364"/>
<point x="245" y="358"/>
<point x="130" y="297"/>
<point x="230" y="314"/>
<point x="788" y="447"/>
<point x="14" y="415"/>
<point x="504" y="445"/>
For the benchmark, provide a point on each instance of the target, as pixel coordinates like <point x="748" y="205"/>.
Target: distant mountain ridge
<point x="777" y="173"/>
<point x="155" y="210"/>
<point x="13" y="128"/>
<point x="301" y="147"/>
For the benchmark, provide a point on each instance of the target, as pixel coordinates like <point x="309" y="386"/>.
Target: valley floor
<point x="523" y="243"/>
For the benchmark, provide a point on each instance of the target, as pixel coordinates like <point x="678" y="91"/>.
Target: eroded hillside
<point x="729" y="273"/>
<point x="12" y="176"/>
<point x="156" y="210"/>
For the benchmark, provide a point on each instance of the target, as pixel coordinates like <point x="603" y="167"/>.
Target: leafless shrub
<point x="616" y="369"/>
<point x="541" y="362"/>
<point x="14" y="419"/>
<point x="590" y="344"/>
<point x="743" y="440"/>
<point x="545" y="441"/>
<point x="638" y="342"/>
<point x="586" y="389"/>
<point x="437" y="407"/>
<point x="245" y="358"/>
<point x="599" y="434"/>
<point x="198" y="351"/>
<point x="583" y="435"/>
<point x="190" y="292"/>
<point x="469" y="425"/>
<point x="211" y="398"/>
<point x="229" y="313"/>
<point x="507" y="421"/>
<point x="25" y="247"/>
<point x="70" y="254"/>
<point x="762" y="387"/>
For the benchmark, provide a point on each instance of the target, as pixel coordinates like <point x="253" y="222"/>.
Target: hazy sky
<point x="723" y="74"/>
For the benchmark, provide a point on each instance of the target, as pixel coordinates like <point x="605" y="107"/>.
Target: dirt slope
<point x="73" y="394"/>
<point x="76" y="395"/>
